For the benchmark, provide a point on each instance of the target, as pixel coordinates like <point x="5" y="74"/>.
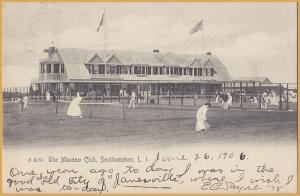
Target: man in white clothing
<point x="132" y="100"/>
<point x="201" y="118"/>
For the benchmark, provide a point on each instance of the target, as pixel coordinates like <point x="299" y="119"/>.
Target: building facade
<point x="68" y="71"/>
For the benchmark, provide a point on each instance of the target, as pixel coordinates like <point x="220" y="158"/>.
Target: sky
<point x="251" y="39"/>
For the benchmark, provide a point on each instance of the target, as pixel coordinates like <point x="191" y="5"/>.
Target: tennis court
<point x="45" y="125"/>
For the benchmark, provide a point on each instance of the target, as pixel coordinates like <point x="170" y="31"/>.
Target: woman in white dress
<point x="25" y="102"/>
<point x="48" y="96"/>
<point x="229" y="102"/>
<point x="74" y="109"/>
<point x="201" y="118"/>
<point x="217" y="98"/>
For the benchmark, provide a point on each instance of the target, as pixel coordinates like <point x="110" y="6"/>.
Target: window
<point x="168" y="71"/>
<point x="191" y="71"/>
<point x="113" y="69"/>
<point x="125" y="69"/>
<point x="42" y="68"/>
<point x="155" y="70"/>
<point x="172" y="70"/>
<point x="195" y="72"/>
<point x="199" y="71"/>
<point x="88" y="67"/>
<point x="184" y="71"/>
<point x="148" y="70"/>
<point x="62" y="68"/>
<point x="143" y="70"/>
<point x="118" y="69"/>
<point x="180" y="71"/>
<point x="48" y="68"/>
<point x="206" y="72"/>
<point x="212" y="71"/>
<point x="137" y="70"/>
<point x="96" y="69"/>
<point x="56" y="68"/>
<point x="160" y="71"/>
<point x="101" y="69"/>
<point x="176" y="71"/>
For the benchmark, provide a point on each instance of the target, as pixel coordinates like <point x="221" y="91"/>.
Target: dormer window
<point x="95" y="69"/>
<point x="48" y="68"/>
<point x="88" y="67"/>
<point x="101" y="69"/>
<point x="42" y="68"/>
<point x="56" y="68"/>
<point x="200" y="71"/>
<point x="212" y="71"/>
<point x="62" y="68"/>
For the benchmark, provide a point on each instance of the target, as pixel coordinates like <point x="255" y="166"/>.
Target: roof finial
<point x="52" y="43"/>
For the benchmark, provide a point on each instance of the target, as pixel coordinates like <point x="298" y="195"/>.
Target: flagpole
<point x="202" y="61"/>
<point x="104" y="33"/>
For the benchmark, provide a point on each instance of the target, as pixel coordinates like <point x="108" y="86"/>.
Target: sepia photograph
<point x="149" y="97"/>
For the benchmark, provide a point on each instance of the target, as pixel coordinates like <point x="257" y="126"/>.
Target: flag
<point x="197" y="27"/>
<point x="101" y="22"/>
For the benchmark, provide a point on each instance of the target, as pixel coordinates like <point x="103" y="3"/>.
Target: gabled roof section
<point x="74" y="64"/>
<point x="112" y="59"/>
<point x="208" y="64"/>
<point x="197" y="62"/>
<point x="93" y="59"/>
<point x="77" y="71"/>
<point x="219" y="67"/>
<point x="52" y="59"/>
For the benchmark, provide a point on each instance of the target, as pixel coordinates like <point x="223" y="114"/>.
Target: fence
<point x="281" y="96"/>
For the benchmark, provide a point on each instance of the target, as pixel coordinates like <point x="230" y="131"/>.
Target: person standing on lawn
<point x="201" y="124"/>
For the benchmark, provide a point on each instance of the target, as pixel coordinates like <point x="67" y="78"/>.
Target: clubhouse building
<point x="69" y="70"/>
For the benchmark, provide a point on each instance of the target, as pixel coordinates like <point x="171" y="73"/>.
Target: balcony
<point x="51" y="76"/>
<point x="151" y="77"/>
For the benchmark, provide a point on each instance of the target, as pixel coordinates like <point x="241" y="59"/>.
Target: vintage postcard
<point x="149" y="97"/>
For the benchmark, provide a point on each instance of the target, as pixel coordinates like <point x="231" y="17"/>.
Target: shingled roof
<point x="75" y="58"/>
<point x="263" y="80"/>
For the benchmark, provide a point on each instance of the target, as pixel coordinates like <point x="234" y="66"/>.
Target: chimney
<point x="156" y="51"/>
<point x="208" y="53"/>
<point x="51" y="50"/>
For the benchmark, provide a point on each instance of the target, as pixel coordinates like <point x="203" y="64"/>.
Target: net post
<point x="147" y="95"/>
<point x="234" y="92"/>
<point x="123" y="110"/>
<point x="96" y="89"/>
<point x="259" y="95"/>
<point x="287" y="96"/>
<point x="280" y="97"/>
<point x="103" y="95"/>
<point x="182" y="94"/>
<point x="119" y="95"/>
<point x="241" y="95"/>
<point x="110" y="91"/>
<point x="158" y="93"/>
<point x="195" y="95"/>
<point x="56" y="106"/>
<point x="209" y="88"/>
<point x="169" y="94"/>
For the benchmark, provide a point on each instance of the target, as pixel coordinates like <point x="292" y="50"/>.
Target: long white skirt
<point x="74" y="110"/>
<point x="200" y="124"/>
<point x="217" y="100"/>
<point x="229" y="102"/>
<point x="48" y="98"/>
